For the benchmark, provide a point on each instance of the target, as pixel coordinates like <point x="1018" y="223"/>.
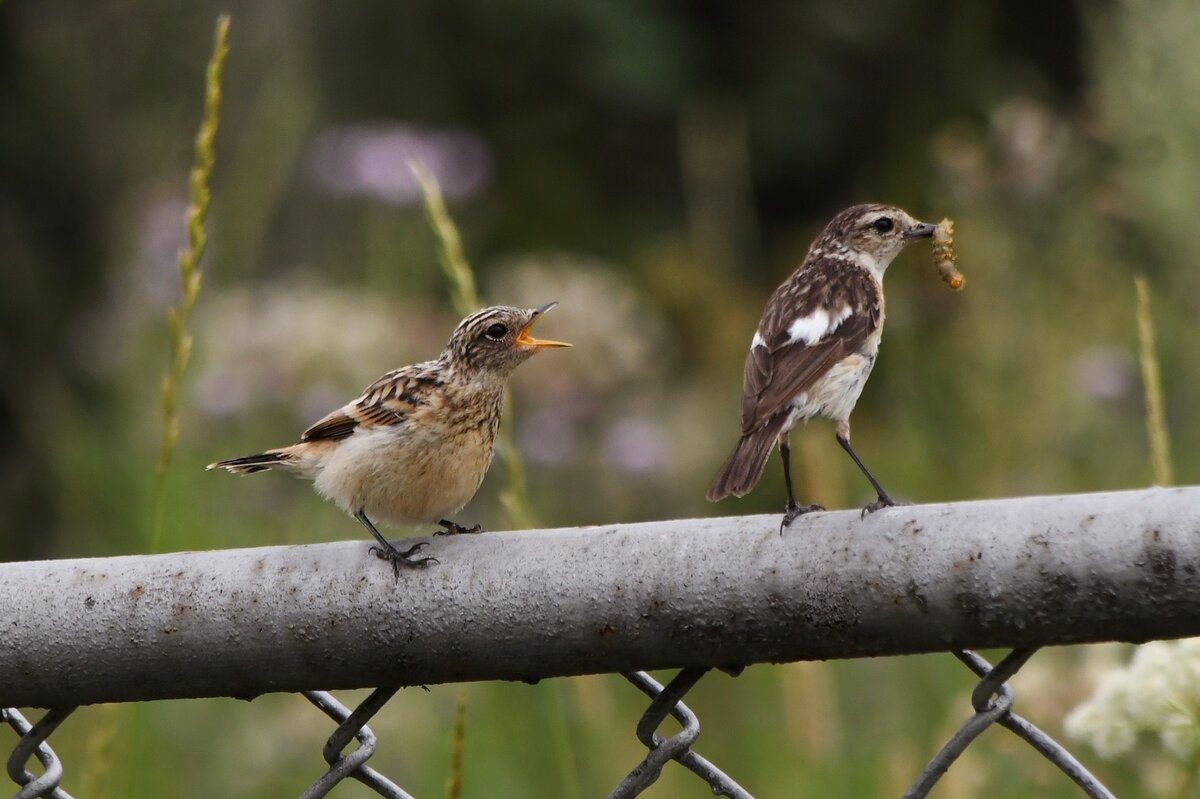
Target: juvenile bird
<point x="416" y="445"/>
<point x="815" y="346"/>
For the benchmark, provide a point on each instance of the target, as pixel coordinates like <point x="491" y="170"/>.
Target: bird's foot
<point x="794" y="511"/>
<point x="396" y="557"/>
<point x="453" y="528"/>
<point x="883" y="501"/>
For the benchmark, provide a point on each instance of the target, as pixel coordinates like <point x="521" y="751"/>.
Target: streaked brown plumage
<point x="416" y="445"/>
<point x="816" y="345"/>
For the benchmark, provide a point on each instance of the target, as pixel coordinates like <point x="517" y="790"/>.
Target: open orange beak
<point x="526" y="340"/>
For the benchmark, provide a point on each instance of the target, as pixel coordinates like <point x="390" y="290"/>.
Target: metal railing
<point x="695" y="594"/>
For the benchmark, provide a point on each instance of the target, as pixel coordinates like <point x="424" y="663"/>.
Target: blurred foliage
<point x="657" y="168"/>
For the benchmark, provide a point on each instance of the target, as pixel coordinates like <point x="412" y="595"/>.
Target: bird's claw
<point x="794" y="511"/>
<point x="884" y="501"/>
<point x="396" y="557"/>
<point x="453" y="528"/>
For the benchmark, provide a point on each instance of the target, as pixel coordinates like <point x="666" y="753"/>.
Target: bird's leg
<point x="386" y="551"/>
<point x="454" y="528"/>
<point x="794" y="509"/>
<point x="883" y="500"/>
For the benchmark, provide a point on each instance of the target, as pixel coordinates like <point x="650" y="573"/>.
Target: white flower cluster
<point x="1158" y="692"/>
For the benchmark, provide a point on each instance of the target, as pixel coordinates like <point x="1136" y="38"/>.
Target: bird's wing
<point x="388" y="401"/>
<point x="812" y="321"/>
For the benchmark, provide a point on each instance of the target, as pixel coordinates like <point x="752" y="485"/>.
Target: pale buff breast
<point x="835" y="394"/>
<point x="398" y="478"/>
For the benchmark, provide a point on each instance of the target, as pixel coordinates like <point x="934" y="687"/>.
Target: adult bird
<point x="815" y="347"/>
<point x="416" y="445"/>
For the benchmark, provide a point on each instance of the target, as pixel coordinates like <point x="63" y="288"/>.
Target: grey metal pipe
<point x="544" y="603"/>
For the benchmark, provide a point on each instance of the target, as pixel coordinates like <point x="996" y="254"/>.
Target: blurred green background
<point x="658" y="168"/>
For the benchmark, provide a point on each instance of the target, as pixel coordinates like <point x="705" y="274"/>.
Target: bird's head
<point x="871" y="234"/>
<point x="497" y="339"/>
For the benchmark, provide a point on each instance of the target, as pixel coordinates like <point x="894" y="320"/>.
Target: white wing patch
<point x="757" y="341"/>
<point x="816" y="326"/>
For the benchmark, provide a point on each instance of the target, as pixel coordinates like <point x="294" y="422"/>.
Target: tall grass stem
<point x="458" y="737"/>
<point x="463" y="293"/>
<point x="190" y="274"/>
<point x="1156" y="418"/>
<point x="465" y="297"/>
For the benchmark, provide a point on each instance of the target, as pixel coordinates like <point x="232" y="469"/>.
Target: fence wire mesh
<point x="664" y="702"/>
<point x="33" y="744"/>
<point x="992" y="700"/>
<point x="353" y="765"/>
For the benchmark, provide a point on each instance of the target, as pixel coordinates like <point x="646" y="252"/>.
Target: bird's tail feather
<point x="745" y="465"/>
<point x="251" y="463"/>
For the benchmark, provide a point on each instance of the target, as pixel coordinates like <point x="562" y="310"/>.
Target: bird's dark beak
<point x="921" y="230"/>
<point x="526" y="340"/>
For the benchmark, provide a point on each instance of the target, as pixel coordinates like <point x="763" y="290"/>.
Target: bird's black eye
<point x="497" y="332"/>
<point x="883" y="224"/>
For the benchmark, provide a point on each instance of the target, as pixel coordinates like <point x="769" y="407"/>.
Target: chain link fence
<point x="992" y="700"/>
<point x="1023" y="572"/>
